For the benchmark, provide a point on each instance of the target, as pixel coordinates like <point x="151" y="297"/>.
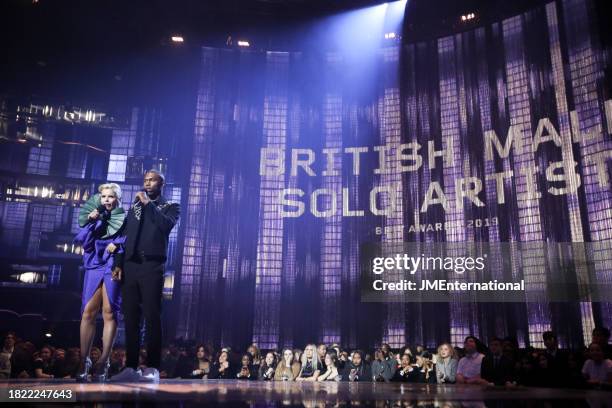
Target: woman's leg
<point x="88" y="322"/>
<point x="110" y="326"/>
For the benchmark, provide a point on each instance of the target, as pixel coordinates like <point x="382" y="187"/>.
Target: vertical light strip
<point x="270" y="235"/>
<point x="529" y="222"/>
<point x="193" y="215"/>
<point x="573" y="205"/>
<point x="390" y="135"/>
<point x="331" y="243"/>
<point x="461" y="313"/>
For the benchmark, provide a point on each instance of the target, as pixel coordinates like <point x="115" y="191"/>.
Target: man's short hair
<point x="472" y="338"/>
<point x="548" y="335"/>
<point x="158" y="173"/>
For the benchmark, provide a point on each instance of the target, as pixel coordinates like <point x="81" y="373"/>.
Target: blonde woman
<point x="99" y="221"/>
<point x="287" y="369"/>
<point x="310" y="364"/>
<point x="446" y="364"/>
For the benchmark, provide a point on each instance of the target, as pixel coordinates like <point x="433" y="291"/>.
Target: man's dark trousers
<point x="143" y="283"/>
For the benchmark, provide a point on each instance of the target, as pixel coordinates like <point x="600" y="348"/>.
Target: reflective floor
<point x="271" y="394"/>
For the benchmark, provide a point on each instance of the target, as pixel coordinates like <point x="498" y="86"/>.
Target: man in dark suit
<point x="496" y="368"/>
<point x="141" y="267"/>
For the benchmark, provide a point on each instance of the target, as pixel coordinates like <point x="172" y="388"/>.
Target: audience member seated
<point x="526" y="373"/>
<point x="22" y="360"/>
<point x="221" y="368"/>
<point x="255" y="353"/>
<point x="287" y="369"/>
<point x="357" y="369"/>
<point x="73" y="362"/>
<point x="200" y="366"/>
<point x="426" y="371"/>
<point x="59" y="363"/>
<point x="446" y="364"/>
<point x="468" y="369"/>
<point x="117" y="361"/>
<point x="597" y="370"/>
<point x="601" y="336"/>
<point x="574" y="377"/>
<point x="497" y="369"/>
<point x="407" y="370"/>
<point x="5" y="355"/>
<point x="543" y="374"/>
<point x="382" y="371"/>
<point x="43" y="363"/>
<point x="504" y="364"/>
<point x="510" y="349"/>
<point x="310" y="364"/>
<point x="321" y="352"/>
<point x="331" y="371"/>
<point x="267" y="368"/>
<point x="94" y="355"/>
<point x="169" y="361"/>
<point x="247" y="371"/>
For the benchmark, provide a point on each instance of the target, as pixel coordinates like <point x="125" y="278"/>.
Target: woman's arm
<point x="299" y="376"/>
<point x="295" y="369"/>
<point x="38" y="373"/>
<point x="452" y="371"/>
<point x="314" y="376"/>
<point x="85" y="237"/>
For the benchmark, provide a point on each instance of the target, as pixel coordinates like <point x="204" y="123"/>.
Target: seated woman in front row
<point x="287" y="369"/>
<point x="266" y="370"/>
<point x="221" y="368"/>
<point x="407" y="371"/>
<point x="331" y="373"/>
<point x="310" y="364"/>
<point x="247" y="371"/>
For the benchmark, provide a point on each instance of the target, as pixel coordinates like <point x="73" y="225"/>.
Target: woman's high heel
<point x="101" y="375"/>
<point x="83" y="376"/>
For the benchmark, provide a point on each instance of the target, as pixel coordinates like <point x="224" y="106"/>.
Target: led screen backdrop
<point x="501" y="133"/>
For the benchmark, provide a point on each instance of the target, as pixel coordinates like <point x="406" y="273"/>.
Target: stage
<point x="233" y="392"/>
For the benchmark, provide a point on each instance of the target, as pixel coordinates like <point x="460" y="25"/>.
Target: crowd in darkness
<point x="500" y="362"/>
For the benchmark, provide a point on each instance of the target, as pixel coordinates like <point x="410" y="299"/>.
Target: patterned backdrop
<point x="251" y="273"/>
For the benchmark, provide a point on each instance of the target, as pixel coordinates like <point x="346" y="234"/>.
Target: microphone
<point x="136" y="199"/>
<point x="104" y="213"/>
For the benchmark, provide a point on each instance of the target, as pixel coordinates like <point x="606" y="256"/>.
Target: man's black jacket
<point x="150" y="233"/>
<point x="499" y="373"/>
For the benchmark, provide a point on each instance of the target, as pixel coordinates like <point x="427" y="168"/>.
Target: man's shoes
<point x="149" y="374"/>
<point x="128" y="374"/>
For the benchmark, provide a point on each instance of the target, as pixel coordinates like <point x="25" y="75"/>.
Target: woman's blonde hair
<point x="315" y="357"/>
<point x="114" y="187"/>
<point x="453" y="352"/>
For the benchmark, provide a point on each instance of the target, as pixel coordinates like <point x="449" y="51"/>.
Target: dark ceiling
<point x="45" y="28"/>
<point x="95" y="46"/>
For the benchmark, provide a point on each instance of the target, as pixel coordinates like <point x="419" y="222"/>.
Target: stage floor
<point x="246" y="393"/>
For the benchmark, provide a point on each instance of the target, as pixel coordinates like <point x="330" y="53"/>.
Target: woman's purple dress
<point x="98" y="264"/>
